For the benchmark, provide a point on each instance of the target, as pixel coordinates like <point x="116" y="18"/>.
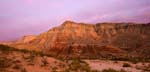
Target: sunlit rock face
<point x="26" y="39"/>
<point x="92" y="40"/>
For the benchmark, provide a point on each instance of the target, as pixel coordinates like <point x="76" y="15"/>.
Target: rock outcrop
<point x="26" y="39"/>
<point x="92" y="40"/>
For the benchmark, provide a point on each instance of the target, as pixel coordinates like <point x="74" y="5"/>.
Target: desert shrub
<point x="23" y="70"/>
<point x="67" y="70"/>
<point x="4" y="63"/>
<point x="79" y="65"/>
<point x="112" y="70"/>
<point x="54" y="69"/>
<point x="109" y="70"/>
<point x="120" y="59"/>
<point x="30" y="58"/>
<point x="44" y="62"/>
<point x="75" y="65"/>
<point x="115" y="61"/>
<point x="86" y="68"/>
<point x="95" y="71"/>
<point x="134" y="60"/>
<point x="126" y="65"/>
<point x="23" y="50"/>
<point x="146" y="68"/>
<point x="17" y="66"/>
<point x="61" y="65"/>
<point x="5" y="48"/>
<point x="122" y="70"/>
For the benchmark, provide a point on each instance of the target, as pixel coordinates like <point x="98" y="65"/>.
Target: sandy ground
<point x="29" y="62"/>
<point x="117" y="65"/>
<point x="25" y="63"/>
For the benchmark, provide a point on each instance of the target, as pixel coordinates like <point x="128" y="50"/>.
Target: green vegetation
<point x="44" y="62"/>
<point x="126" y="65"/>
<point x="54" y="69"/>
<point x="109" y="70"/>
<point x="145" y="68"/>
<point x="4" y="63"/>
<point x="5" y="48"/>
<point x="133" y="60"/>
<point x="30" y="59"/>
<point x="112" y="70"/>
<point x="17" y="66"/>
<point x="76" y="65"/>
<point x="23" y="70"/>
<point x="122" y="70"/>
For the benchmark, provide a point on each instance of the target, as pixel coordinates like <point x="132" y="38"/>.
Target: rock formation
<point x="92" y="40"/>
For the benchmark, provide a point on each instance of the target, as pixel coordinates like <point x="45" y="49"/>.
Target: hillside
<point x="102" y="40"/>
<point x="16" y="60"/>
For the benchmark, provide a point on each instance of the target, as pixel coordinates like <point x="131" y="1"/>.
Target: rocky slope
<point x="15" y="60"/>
<point x="26" y="39"/>
<point x="92" y="40"/>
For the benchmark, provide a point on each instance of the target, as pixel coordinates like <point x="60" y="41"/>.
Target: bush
<point x="4" y="63"/>
<point x="23" y="70"/>
<point x="79" y="65"/>
<point x="54" y="69"/>
<point x="44" y="62"/>
<point x="5" y="48"/>
<point x="112" y="70"/>
<point x="109" y="70"/>
<point x="17" y="66"/>
<point x="126" y="65"/>
<point x="122" y="70"/>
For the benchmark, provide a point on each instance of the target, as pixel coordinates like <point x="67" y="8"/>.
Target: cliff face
<point x="93" y="40"/>
<point x="26" y="39"/>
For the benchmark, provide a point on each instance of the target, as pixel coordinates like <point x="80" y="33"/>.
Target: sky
<point x="29" y="17"/>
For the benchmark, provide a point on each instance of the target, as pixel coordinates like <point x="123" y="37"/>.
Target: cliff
<point x="73" y="39"/>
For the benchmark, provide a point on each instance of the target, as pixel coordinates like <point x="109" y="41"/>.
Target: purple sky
<point x="26" y="17"/>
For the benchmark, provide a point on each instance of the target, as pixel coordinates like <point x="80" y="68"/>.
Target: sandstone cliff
<point x="92" y="40"/>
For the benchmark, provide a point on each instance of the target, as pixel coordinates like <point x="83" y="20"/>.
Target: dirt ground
<point x="116" y="65"/>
